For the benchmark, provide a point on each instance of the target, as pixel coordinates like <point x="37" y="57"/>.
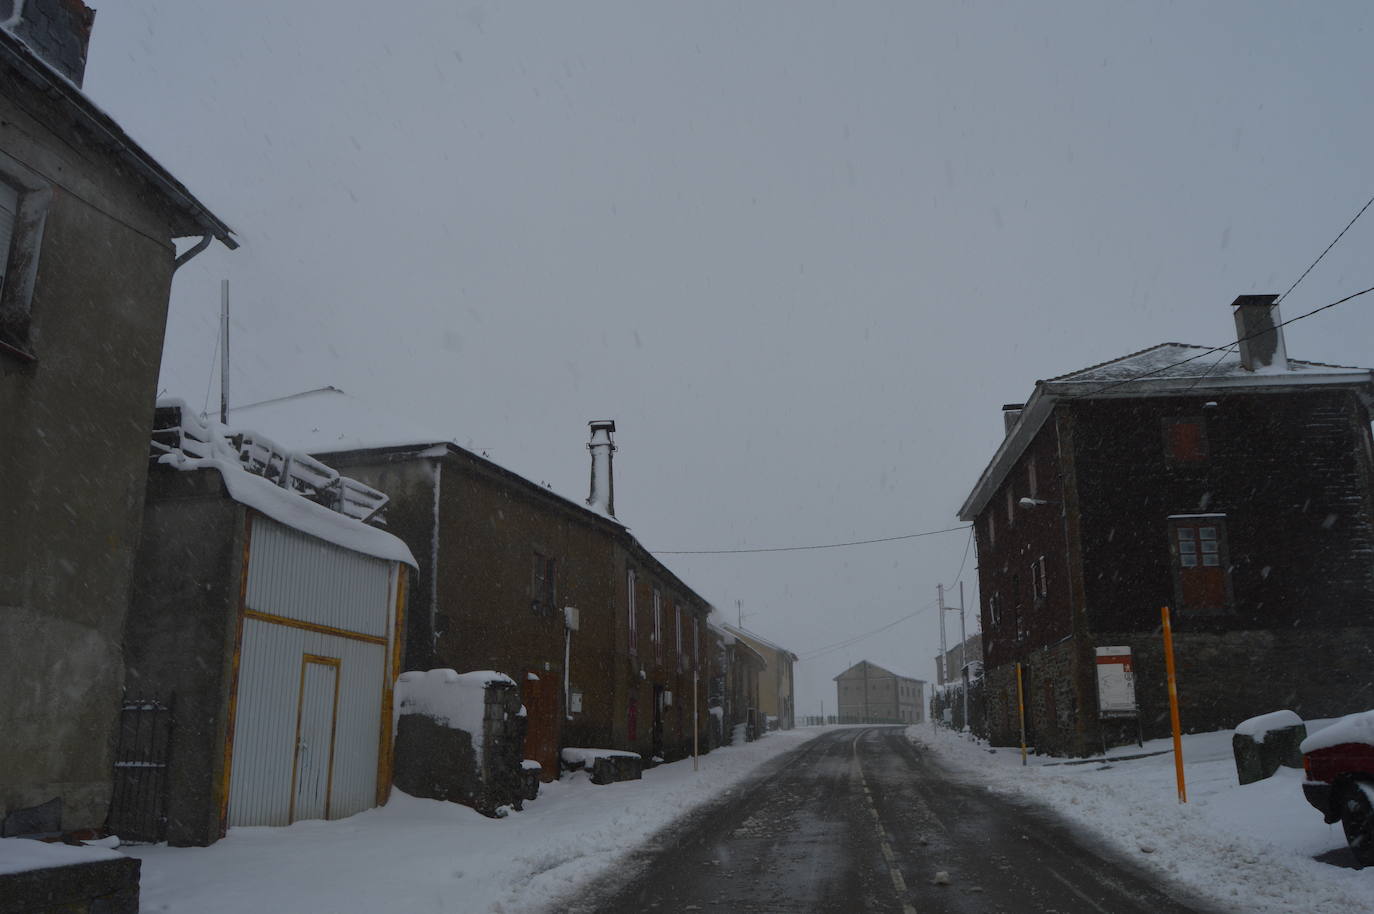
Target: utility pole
<point x="224" y="351"/>
<point x="943" y="671"/>
<point x="963" y="655"/>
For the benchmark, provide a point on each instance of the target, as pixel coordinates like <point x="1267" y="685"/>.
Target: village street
<point x="865" y="820"/>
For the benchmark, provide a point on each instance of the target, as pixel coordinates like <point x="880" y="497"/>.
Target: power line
<point x="1210" y="350"/>
<point x="884" y="539"/>
<point x="958" y="574"/>
<point x="1328" y="248"/>
<point x="841" y="645"/>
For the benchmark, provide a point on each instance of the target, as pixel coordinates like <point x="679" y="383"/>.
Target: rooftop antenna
<point x="224" y="352"/>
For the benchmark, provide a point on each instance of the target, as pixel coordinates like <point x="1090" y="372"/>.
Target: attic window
<point x="542" y="581"/>
<point x="1185" y="440"/>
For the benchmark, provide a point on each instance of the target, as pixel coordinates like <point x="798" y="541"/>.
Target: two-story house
<point x="87" y="226"/>
<point x="1233" y="487"/>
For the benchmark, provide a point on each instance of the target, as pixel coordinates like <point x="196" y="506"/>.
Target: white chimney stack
<point x="602" y="497"/>
<point x="1258" y="333"/>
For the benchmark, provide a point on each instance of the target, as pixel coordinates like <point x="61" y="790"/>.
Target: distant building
<point x="776" y="694"/>
<point x="868" y="693"/>
<point x="950" y="666"/>
<point x="1235" y="488"/>
<point x="87" y="225"/>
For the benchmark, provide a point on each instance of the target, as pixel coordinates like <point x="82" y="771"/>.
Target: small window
<point x="24" y="200"/>
<point x="995" y="609"/>
<point x="1011" y="508"/>
<point x="992" y="530"/>
<point x="1039" y="586"/>
<point x="1185" y="440"/>
<point x="1030" y="475"/>
<point x="677" y="624"/>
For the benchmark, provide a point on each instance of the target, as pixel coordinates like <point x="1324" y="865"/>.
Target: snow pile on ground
<point x="1248" y="848"/>
<point x="452" y="699"/>
<point x="428" y="855"/>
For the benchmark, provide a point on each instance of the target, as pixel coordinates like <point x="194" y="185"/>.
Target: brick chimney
<point x="1258" y="333"/>
<point x="58" y="31"/>
<point x="602" y="497"/>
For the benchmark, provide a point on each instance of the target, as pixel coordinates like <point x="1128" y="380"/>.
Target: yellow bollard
<point x="1173" y="704"/>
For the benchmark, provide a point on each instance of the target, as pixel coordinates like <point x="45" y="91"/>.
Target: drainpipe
<point x="190" y="252"/>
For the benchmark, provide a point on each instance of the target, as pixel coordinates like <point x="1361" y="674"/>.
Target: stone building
<point x="88" y="221"/>
<point x="1234" y="488"/>
<point x="607" y="644"/>
<point x="868" y="693"/>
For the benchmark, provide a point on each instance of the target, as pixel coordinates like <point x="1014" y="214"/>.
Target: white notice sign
<point x="1115" y="682"/>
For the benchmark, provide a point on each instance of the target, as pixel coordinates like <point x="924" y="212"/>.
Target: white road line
<point x="898" y="883"/>
<point x="1073" y="888"/>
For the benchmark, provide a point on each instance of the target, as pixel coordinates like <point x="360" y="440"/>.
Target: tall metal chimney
<point x="602" y="497"/>
<point x="1258" y="333"/>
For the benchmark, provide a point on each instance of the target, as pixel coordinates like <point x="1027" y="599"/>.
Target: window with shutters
<point x="1202" y="580"/>
<point x="23" y="209"/>
<point x="658" y="625"/>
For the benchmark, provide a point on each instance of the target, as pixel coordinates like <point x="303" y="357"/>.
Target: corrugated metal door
<point x="308" y="718"/>
<point x="316" y="721"/>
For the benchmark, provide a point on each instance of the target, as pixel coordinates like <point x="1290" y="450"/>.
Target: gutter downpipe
<point x="190" y="252"/>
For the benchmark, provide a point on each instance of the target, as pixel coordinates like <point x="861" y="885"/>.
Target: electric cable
<point x="884" y="539"/>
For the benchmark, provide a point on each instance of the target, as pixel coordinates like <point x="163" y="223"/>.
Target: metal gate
<point x="138" y="806"/>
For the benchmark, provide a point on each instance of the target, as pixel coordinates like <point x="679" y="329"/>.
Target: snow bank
<point x="1257" y="728"/>
<point x="452" y="699"/>
<point x="1353" y="728"/>
<point x="1247" y="848"/>
<point x="428" y="855"/>
<point x="20" y="854"/>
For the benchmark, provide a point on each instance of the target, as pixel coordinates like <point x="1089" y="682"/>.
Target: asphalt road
<point x="862" y="820"/>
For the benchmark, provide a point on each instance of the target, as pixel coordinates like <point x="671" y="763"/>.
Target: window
<point x="1030" y="475"/>
<point x="658" y="625"/>
<point x="24" y="199"/>
<point x="677" y="625"/>
<point x="1039" y="586"/>
<point x="1018" y="616"/>
<point x="634" y="616"/>
<point x="543" y="594"/>
<point x="992" y="530"/>
<point x="995" y="609"/>
<point x="1201" y="573"/>
<point x="1011" y="508"/>
<point x="1185" y="440"/>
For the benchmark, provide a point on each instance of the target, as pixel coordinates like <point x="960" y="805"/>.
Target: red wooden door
<point x="1201" y="564"/>
<point x="540" y="697"/>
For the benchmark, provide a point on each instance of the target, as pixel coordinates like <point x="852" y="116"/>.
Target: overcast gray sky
<point x="801" y="252"/>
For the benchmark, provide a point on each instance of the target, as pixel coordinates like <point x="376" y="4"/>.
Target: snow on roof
<point x="1182" y="360"/>
<point x="1168" y="369"/>
<point x="758" y="639"/>
<point x="282" y="505"/>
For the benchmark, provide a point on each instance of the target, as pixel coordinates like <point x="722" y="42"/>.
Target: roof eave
<point x="15" y="52"/>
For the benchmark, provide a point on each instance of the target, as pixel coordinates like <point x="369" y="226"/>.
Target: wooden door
<point x="540" y="697"/>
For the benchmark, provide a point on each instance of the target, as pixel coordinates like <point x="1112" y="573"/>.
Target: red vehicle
<point x="1339" y="762"/>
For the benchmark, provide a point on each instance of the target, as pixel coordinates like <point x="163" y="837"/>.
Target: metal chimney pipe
<point x="602" y="496"/>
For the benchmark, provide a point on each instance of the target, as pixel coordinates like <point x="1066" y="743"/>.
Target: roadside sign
<point x="1115" y="682"/>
